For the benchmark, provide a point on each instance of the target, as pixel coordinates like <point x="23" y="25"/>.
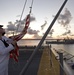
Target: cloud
<point x="31" y="31"/>
<point x="68" y="32"/>
<point x="11" y="26"/>
<point x="64" y="19"/>
<point x="42" y="26"/>
<point x="36" y="36"/>
<point x="20" y="24"/>
<point x="34" y="33"/>
<point x="51" y="32"/>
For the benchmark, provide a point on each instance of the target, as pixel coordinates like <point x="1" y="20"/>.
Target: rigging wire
<point x="31" y="6"/>
<point x="23" y="10"/>
<point x="21" y="14"/>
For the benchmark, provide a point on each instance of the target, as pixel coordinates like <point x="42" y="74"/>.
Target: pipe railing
<point x="60" y="60"/>
<point x="65" y="69"/>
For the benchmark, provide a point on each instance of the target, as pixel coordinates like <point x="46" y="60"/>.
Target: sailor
<point x="5" y="48"/>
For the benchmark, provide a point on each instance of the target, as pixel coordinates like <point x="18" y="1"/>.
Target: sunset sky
<point x="43" y="12"/>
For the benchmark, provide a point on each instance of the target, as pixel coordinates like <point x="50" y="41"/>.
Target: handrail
<point x="66" y="68"/>
<point x="59" y="57"/>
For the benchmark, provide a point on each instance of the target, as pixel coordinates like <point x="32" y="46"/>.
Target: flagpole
<point x="42" y="40"/>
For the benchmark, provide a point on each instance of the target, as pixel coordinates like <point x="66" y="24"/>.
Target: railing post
<point x="61" y="63"/>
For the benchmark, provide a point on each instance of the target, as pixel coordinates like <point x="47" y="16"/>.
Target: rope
<point x="23" y="11"/>
<point x="31" y="6"/>
<point x="22" y="14"/>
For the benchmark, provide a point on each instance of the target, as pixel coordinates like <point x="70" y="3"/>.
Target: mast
<point x="42" y="40"/>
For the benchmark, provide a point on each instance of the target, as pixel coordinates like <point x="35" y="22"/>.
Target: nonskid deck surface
<point x="47" y="65"/>
<point x="15" y="68"/>
<point x="42" y="63"/>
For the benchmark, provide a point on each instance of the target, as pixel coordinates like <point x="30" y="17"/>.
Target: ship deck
<point x="42" y="64"/>
<point x="15" y="68"/>
<point x="47" y="65"/>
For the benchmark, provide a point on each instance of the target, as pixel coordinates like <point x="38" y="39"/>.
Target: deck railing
<point x="57" y="61"/>
<point x="59" y="56"/>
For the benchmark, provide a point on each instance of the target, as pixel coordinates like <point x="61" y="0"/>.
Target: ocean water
<point x="28" y="42"/>
<point x="68" y="47"/>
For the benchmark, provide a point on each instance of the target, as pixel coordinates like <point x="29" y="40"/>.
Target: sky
<point x="43" y="12"/>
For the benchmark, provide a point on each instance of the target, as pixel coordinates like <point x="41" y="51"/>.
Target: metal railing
<point x="57" y="58"/>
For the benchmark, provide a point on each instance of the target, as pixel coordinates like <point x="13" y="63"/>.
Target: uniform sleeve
<point x="6" y="49"/>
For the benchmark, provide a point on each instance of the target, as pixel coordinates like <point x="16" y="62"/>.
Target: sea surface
<point x="67" y="47"/>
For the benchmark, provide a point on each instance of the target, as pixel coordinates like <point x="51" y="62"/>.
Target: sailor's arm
<point x="7" y="49"/>
<point x="19" y="36"/>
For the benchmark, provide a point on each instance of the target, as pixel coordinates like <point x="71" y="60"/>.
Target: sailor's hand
<point x="14" y="43"/>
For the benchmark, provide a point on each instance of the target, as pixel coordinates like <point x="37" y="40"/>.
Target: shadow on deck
<point x="15" y="68"/>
